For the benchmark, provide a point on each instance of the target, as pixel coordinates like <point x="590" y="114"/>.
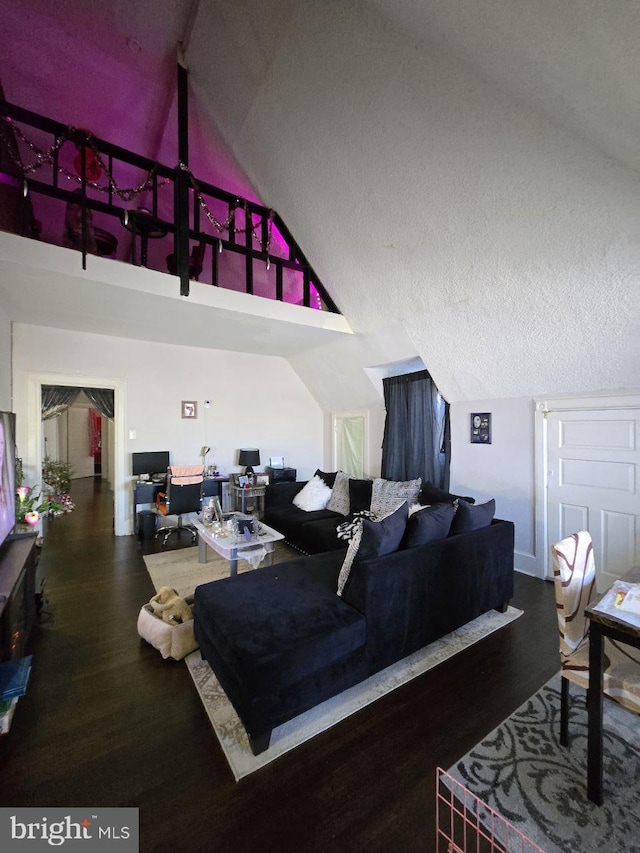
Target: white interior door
<point x="593" y="461"/>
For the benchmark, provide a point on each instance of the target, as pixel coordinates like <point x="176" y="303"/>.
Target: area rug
<point x="181" y="570"/>
<point x="521" y="771"/>
<point x="185" y="573"/>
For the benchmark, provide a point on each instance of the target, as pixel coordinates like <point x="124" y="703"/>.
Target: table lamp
<point x="249" y="456"/>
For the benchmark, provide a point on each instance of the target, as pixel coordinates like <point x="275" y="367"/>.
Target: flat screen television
<point x="153" y="462"/>
<point x="7" y="474"/>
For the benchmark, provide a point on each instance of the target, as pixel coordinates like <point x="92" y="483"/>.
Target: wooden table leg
<point x="594" y="714"/>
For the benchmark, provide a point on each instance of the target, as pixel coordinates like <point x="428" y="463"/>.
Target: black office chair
<point x="183" y="495"/>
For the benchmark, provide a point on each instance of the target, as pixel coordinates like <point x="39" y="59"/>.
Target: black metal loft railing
<point x="66" y="186"/>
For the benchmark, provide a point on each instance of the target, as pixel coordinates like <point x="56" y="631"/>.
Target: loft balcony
<point x="101" y="204"/>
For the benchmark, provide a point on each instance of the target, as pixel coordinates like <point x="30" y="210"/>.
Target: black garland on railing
<point x="83" y="138"/>
<point x="228" y="224"/>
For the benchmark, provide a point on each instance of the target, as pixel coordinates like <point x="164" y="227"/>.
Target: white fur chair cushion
<point x="172" y="641"/>
<point x="315" y="495"/>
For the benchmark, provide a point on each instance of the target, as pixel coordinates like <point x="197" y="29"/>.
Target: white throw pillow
<point x="315" y="495"/>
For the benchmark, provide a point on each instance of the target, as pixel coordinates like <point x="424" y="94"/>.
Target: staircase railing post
<point x="181" y="194"/>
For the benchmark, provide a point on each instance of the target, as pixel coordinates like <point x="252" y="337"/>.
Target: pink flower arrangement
<point x="29" y="506"/>
<point x="65" y="502"/>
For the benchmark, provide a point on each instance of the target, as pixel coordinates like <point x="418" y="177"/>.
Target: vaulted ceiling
<point x="463" y="172"/>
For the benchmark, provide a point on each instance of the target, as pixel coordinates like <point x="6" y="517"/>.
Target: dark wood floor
<point x="107" y="722"/>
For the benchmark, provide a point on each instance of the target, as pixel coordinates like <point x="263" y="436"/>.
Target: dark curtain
<point x="56" y="399"/>
<point x="102" y="399"/>
<point x="416" y="433"/>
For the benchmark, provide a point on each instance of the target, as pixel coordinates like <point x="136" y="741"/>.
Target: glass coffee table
<point x="234" y="547"/>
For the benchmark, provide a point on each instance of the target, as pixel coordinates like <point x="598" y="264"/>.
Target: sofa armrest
<point x="281" y="494"/>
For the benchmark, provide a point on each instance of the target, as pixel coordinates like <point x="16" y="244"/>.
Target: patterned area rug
<point x="522" y="772"/>
<point x="181" y="570"/>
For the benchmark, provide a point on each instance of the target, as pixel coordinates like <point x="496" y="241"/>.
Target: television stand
<point x="18" y="611"/>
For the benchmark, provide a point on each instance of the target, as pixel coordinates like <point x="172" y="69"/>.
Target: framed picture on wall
<point x="189" y="409"/>
<point x="480" y="427"/>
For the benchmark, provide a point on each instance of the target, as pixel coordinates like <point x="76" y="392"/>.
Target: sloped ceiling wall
<point x="462" y="176"/>
<point x="504" y="244"/>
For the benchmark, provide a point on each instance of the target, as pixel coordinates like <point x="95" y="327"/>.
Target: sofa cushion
<point x="321" y="534"/>
<point x="275" y="627"/>
<point x="289" y="519"/>
<point x="359" y="494"/>
<point x="428" y="524"/>
<point x="470" y="517"/>
<point x="373" y="539"/>
<point x="313" y="496"/>
<point x="339" y="500"/>
<point x="430" y="494"/>
<point x="329" y="478"/>
<point x="388" y="495"/>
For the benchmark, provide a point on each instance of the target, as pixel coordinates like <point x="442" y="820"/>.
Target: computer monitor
<point x="153" y="462"/>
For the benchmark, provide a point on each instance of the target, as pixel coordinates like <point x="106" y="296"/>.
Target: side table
<point x="249" y="500"/>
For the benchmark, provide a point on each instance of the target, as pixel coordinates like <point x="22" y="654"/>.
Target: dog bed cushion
<point x="172" y="641"/>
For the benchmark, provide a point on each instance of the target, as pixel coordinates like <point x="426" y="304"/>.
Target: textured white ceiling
<point x="575" y="61"/>
<point x="464" y="172"/>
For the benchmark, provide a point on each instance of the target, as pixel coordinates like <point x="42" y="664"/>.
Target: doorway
<point x="35" y="442"/>
<point x="83" y="437"/>
<point x="591" y="470"/>
<point x="351" y="443"/>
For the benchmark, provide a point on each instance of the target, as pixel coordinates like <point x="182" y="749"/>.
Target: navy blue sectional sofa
<point x="315" y="532"/>
<point x="281" y="640"/>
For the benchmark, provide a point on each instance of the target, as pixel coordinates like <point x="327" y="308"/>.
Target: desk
<point x="146" y="493"/>
<point x="602" y="625"/>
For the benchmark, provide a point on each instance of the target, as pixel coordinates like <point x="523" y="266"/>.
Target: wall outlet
<point x="132" y="434"/>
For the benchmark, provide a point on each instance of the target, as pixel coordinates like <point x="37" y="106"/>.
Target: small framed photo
<point x="243" y="481"/>
<point x="217" y="509"/>
<point x="480" y="427"/>
<point x="262" y="479"/>
<point x="189" y="409"/>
